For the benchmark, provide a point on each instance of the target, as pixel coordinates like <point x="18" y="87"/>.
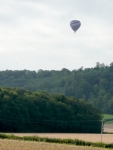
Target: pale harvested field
<point x="25" y="145"/>
<point x="108" y="128"/>
<point x="106" y="138"/>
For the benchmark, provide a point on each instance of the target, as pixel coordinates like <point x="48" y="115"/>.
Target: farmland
<point x="25" y="145"/>
<point x="107" y="117"/>
<point x="108" y="128"/>
<point x="106" y="138"/>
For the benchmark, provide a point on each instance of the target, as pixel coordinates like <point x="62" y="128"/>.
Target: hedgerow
<point x="56" y="140"/>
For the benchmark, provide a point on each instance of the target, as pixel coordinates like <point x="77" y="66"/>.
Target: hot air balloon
<point x="75" y="25"/>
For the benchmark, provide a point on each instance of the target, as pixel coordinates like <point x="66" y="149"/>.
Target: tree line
<point x="26" y="111"/>
<point x="94" y="85"/>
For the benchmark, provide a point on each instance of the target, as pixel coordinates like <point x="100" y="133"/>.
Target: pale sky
<point x="36" y="34"/>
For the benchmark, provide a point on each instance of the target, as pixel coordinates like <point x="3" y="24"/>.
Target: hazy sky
<point x="36" y="34"/>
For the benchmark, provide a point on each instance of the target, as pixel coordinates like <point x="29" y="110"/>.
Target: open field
<point x="108" y="127"/>
<point x="25" y="145"/>
<point x="108" y="116"/>
<point x="106" y="138"/>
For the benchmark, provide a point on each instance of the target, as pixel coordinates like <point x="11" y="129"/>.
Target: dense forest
<point x="94" y="85"/>
<point x="26" y="111"/>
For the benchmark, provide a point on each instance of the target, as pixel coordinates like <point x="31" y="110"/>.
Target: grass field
<point x="24" y="145"/>
<point x="108" y="116"/>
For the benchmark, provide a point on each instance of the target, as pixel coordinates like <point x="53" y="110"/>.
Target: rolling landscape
<point x="93" y="85"/>
<point x="56" y="75"/>
<point x="48" y="112"/>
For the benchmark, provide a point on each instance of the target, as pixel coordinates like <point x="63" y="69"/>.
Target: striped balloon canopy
<point x="75" y="25"/>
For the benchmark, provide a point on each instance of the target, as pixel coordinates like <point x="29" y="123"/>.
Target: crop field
<point x="106" y="138"/>
<point x="108" y="128"/>
<point x="6" y="144"/>
<point x="25" y="145"/>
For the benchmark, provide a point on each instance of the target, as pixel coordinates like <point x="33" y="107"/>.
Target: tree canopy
<point x="26" y="111"/>
<point x="94" y="85"/>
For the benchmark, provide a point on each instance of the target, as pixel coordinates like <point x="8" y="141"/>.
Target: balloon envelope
<point x="75" y="25"/>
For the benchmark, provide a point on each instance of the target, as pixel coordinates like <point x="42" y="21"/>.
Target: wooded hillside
<point x="25" y="111"/>
<point x="94" y="85"/>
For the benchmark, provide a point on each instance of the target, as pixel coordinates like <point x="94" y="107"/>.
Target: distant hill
<point x="94" y="85"/>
